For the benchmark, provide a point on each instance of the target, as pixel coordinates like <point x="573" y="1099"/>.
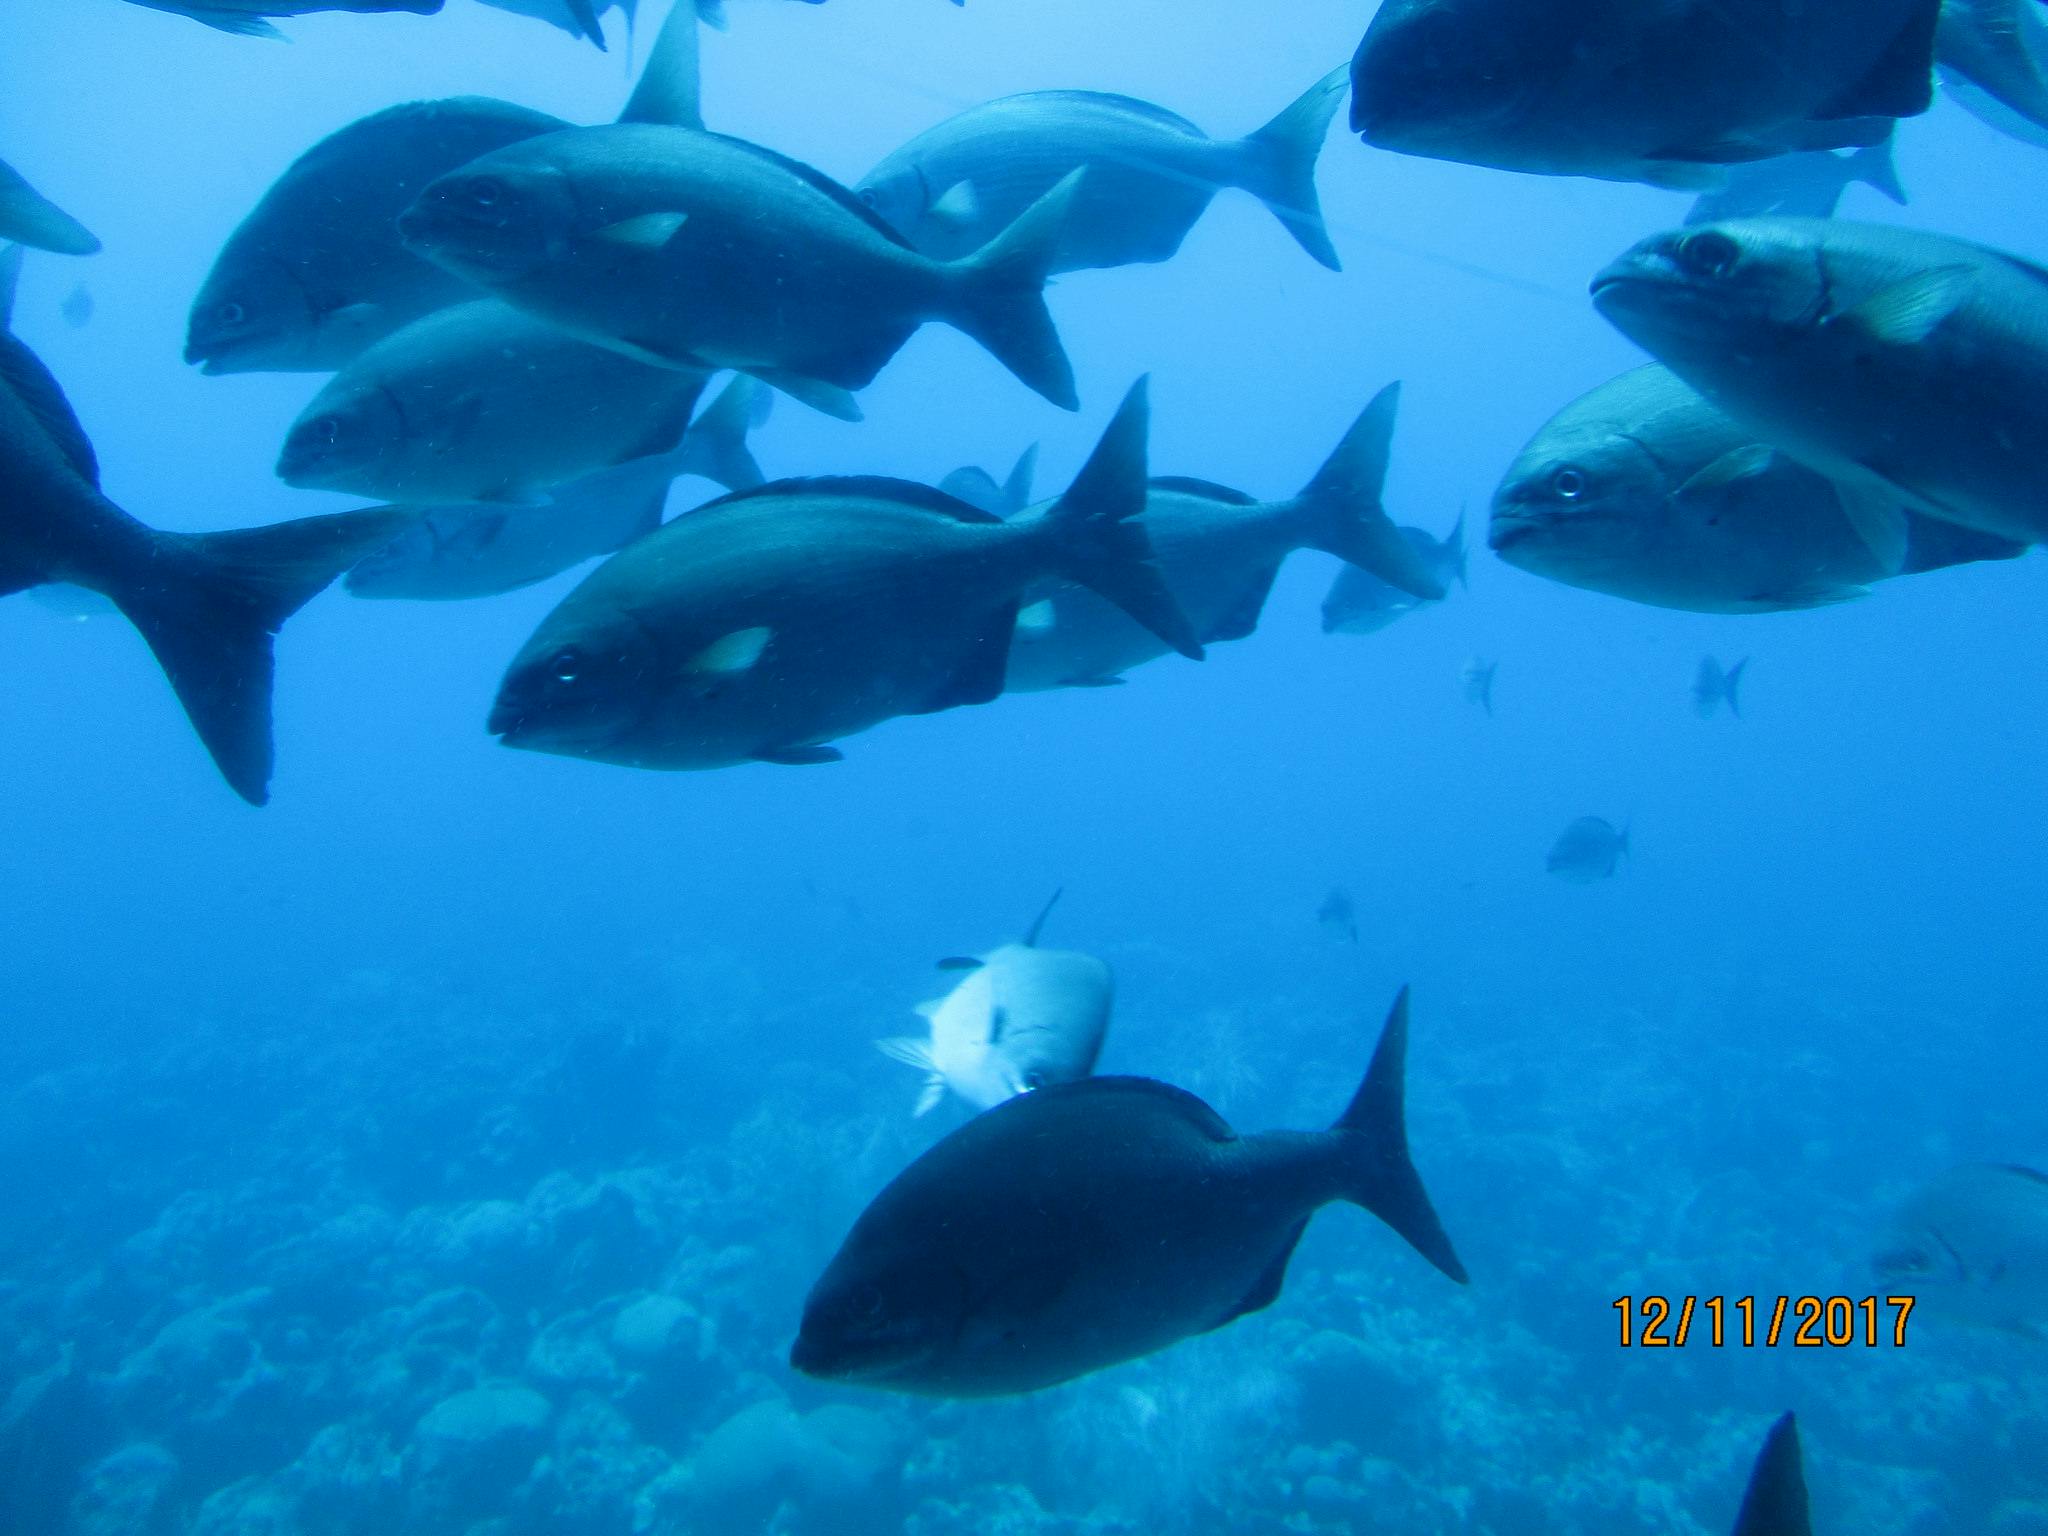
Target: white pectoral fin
<point x="909" y="1050"/>
<point x="927" y="1101"/>
<point x="1731" y="468"/>
<point x="958" y="206"/>
<point x="730" y="655"/>
<point x="1037" y="618"/>
<point x="1908" y="312"/>
<point x="648" y="232"/>
<point x="1879" y="520"/>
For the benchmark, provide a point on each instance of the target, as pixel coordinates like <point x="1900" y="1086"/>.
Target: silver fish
<point x="1475" y="681"/>
<point x="1972" y="1245"/>
<point x="1714" y="685"/>
<point x="1805" y="185"/>
<point x="1361" y="603"/>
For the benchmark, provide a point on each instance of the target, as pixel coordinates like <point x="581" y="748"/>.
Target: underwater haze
<point x="450" y="1146"/>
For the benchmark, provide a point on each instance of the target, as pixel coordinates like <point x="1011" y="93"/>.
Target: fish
<point x="1220" y="551"/>
<point x="208" y="604"/>
<point x="1360" y="603"/>
<point x="482" y="402"/>
<point x="1151" y="175"/>
<point x="693" y="249"/>
<point x="581" y="19"/>
<point x="1644" y="490"/>
<point x="1972" y="1246"/>
<point x="1808" y="184"/>
<point x="1338" y="915"/>
<point x="1475" y="681"/>
<point x="767" y="624"/>
<point x="29" y="218"/>
<point x="978" y="488"/>
<point x="77" y="307"/>
<point x="1910" y="368"/>
<point x="1774" y="1503"/>
<point x="1095" y="1222"/>
<point x="247" y="18"/>
<point x="468" y="551"/>
<point x="1020" y="1019"/>
<point x="316" y="273"/>
<point x="1589" y="849"/>
<point x="1993" y="56"/>
<point x="1670" y="94"/>
<point x="1713" y="685"/>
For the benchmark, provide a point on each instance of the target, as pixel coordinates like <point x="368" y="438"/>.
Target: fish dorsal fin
<point x="1775" y="1503"/>
<point x="22" y="373"/>
<point x="1207" y="490"/>
<point x="1908" y="312"/>
<point x="859" y="488"/>
<point x="1149" y="111"/>
<point x="1266" y="1289"/>
<point x="1182" y="1104"/>
<point x="668" y="88"/>
<point x="818" y="181"/>
<point x="1038" y="923"/>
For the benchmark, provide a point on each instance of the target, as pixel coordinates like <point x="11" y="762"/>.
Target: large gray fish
<point x="472" y="551"/>
<point x="208" y="604"/>
<point x="1910" y="368"/>
<point x="767" y="624"/>
<point x="1994" y="61"/>
<point x="247" y="17"/>
<point x="29" y="218"/>
<point x="1361" y="603"/>
<point x="1973" y="1246"/>
<point x="1021" y="1019"/>
<point x="316" y="272"/>
<point x="692" y="249"/>
<point x="1806" y="185"/>
<point x="1589" y="849"/>
<point x="483" y="402"/>
<point x="1669" y="93"/>
<point x="1151" y="174"/>
<point x="1094" y="1222"/>
<point x="1643" y="490"/>
<point x="1220" y="551"/>
<point x="1774" y="1503"/>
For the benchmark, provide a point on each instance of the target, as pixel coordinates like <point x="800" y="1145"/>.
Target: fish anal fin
<point x="800" y="757"/>
<point x="1880" y="522"/>
<point x="1266" y="1289"/>
<point x="1241" y="617"/>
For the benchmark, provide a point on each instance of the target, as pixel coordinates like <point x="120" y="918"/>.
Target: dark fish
<point x="1475" y="679"/>
<point x="1972" y="1245"/>
<point x="1807" y="185"/>
<point x="480" y="551"/>
<point x="1151" y="174"/>
<point x="978" y="488"/>
<point x="767" y="624"/>
<point x="1775" y="1503"/>
<point x="692" y="249"/>
<point x="1220" y="551"/>
<point x="1589" y="849"/>
<point x="1713" y="686"/>
<point x="1910" y="368"/>
<point x="1669" y="93"/>
<point x="1094" y="1222"/>
<point x="1361" y="603"/>
<point x="77" y="307"/>
<point x="208" y="604"/>
<point x="316" y="272"/>
<point x="246" y="17"/>
<point x="1643" y="490"/>
<point x="1994" y="61"/>
<point x="29" y="218"/>
<point x="1338" y="915"/>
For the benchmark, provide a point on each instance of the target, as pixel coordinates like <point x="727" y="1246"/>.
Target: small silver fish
<point x="1362" y="603"/>
<point x="1475" y="680"/>
<point x="1589" y="849"/>
<point x="1973" y="1246"/>
<point x="1713" y="685"/>
<point x="1338" y="915"/>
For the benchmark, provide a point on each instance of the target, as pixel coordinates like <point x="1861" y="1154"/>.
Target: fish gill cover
<point x="493" y="1142"/>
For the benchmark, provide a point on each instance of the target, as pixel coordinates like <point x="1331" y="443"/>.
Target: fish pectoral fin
<point x="646" y="232"/>
<point x="928" y="1099"/>
<point x="1730" y="469"/>
<point x="1683" y="175"/>
<point x="1266" y="1289"/>
<point x="1879" y="521"/>
<point x="800" y="757"/>
<point x="1907" y="313"/>
<point x="982" y="671"/>
<point x="1097" y="680"/>
<point x="961" y="963"/>
<point x="1037" y="619"/>
<point x="909" y="1050"/>
<point x="1807" y="595"/>
<point x="730" y="655"/>
<point x="958" y="206"/>
<point x="238" y="23"/>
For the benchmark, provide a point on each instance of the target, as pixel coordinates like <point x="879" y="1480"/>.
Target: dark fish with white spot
<point x="1671" y="93"/>
<point x="770" y="623"/>
<point x="1910" y="368"/>
<point x="1806" y="185"/>
<point x="1589" y="849"/>
<point x="1973" y="1246"/>
<point x="1220" y="551"/>
<point x="29" y="218"/>
<point x="248" y="18"/>
<point x="1643" y="490"/>
<point x="207" y="603"/>
<point x="1095" y="1222"/>
<point x="1151" y="174"/>
<point x="1361" y="603"/>
<point x="1714" y="685"/>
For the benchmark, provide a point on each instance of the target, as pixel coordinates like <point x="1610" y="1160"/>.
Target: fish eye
<point x="1568" y="483"/>
<point x="486" y="191"/>
<point x="231" y="313"/>
<point x="565" y="666"/>
<point x="326" y="428"/>
<point x="1708" y="254"/>
<point x="868" y="196"/>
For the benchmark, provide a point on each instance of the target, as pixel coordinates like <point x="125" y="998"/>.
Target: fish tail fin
<point x="716" y="444"/>
<point x="1279" y="164"/>
<point x="1731" y="687"/>
<point x="1874" y="166"/>
<point x="1096" y="539"/>
<point x="1373" y="1136"/>
<point x="1343" y="510"/>
<point x="1000" y="296"/>
<point x="1775" y="1502"/>
<point x="209" y="606"/>
<point x="1454" y="542"/>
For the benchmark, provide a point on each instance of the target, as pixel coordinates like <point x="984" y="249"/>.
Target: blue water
<point x="459" y="1068"/>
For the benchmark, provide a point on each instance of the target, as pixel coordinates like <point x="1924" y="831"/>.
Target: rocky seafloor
<point x="398" y="1265"/>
